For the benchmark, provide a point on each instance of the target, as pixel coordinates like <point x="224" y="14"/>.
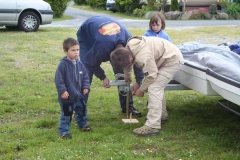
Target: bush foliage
<point x="233" y="9"/>
<point x="151" y="4"/>
<point x="79" y="2"/>
<point x="127" y="6"/>
<point x="236" y="1"/>
<point x="100" y="4"/>
<point x="213" y="9"/>
<point x="58" y="7"/>
<point x="174" y="5"/>
<point x="137" y="9"/>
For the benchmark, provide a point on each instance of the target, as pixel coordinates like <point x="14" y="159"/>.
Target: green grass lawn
<point x="197" y="127"/>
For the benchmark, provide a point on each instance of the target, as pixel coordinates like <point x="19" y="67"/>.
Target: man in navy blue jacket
<point x="98" y="37"/>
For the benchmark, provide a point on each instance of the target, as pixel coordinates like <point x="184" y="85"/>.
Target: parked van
<point x="110" y="5"/>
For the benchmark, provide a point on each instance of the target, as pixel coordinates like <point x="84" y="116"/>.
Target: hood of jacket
<point x="136" y="44"/>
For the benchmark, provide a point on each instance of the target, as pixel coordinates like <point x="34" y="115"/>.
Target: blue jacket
<point x="72" y="79"/>
<point x="99" y="36"/>
<point x="161" y="34"/>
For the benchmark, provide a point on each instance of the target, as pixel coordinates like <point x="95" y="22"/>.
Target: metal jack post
<point x="126" y="88"/>
<point x="128" y="99"/>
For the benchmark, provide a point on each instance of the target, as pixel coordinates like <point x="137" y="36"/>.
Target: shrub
<point x="174" y="5"/>
<point x="203" y="12"/>
<point x="139" y="12"/>
<point x="236" y="1"/>
<point x="212" y="9"/>
<point x="156" y="6"/>
<point x="127" y="6"/>
<point x="233" y="9"/>
<point x="100" y="4"/>
<point x="119" y="6"/>
<point x="223" y="3"/>
<point x="58" y="7"/>
<point x="133" y="5"/>
<point x="151" y="4"/>
<point x="79" y="2"/>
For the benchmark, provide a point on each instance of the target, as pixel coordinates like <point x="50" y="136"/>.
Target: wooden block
<point x="130" y="120"/>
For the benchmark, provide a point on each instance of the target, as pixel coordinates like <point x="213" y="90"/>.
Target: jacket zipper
<point x="75" y="66"/>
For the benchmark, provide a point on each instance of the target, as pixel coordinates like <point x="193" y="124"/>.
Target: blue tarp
<point x="219" y="59"/>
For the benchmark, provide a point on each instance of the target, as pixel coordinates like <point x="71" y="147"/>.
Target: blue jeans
<point x="83" y="51"/>
<point x="65" y="121"/>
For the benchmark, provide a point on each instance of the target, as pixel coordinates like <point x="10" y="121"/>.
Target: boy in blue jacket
<point x="72" y="82"/>
<point x="98" y="36"/>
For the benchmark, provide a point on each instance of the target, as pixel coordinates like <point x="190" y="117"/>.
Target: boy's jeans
<point x="65" y="121"/>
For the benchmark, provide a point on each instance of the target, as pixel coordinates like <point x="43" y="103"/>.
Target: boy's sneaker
<point x="86" y="129"/>
<point x="66" y="136"/>
<point x="133" y="111"/>
<point x="146" y="131"/>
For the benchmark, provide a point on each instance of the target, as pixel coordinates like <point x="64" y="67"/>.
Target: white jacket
<point x="151" y="53"/>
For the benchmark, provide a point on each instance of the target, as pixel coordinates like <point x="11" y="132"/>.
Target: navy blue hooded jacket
<point x="98" y="37"/>
<point x="72" y="79"/>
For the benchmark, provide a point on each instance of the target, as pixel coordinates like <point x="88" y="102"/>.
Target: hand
<point x="65" y="95"/>
<point x="139" y="93"/>
<point x="85" y="91"/>
<point x="106" y="83"/>
<point x="135" y="87"/>
<point x="127" y="79"/>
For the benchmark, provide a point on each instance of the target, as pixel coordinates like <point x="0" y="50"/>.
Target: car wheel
<point x="29" y="22"/>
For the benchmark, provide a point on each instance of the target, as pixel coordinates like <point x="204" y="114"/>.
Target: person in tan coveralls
<point x="159" y="60"/>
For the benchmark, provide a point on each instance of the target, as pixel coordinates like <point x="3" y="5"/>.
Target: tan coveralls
<point x="159" y="60"/>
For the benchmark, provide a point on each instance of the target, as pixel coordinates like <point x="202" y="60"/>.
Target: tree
<point x="174" y="5"/>
<point x="151" y="4"/>
<point x="236" y="1"/>
<point x="79" y="2"/>
<point x="127" y="6"/>
<point x="58" y="6"/>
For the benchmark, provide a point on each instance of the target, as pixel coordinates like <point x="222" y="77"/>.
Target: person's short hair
<point x="155" y="18"/>
<point x="120" y="58"/>
<point x="69" y="42"/>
